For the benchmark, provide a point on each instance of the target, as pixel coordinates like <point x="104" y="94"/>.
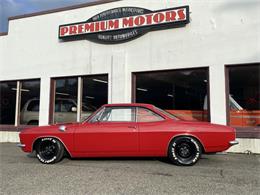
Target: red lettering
<point x="89" y="27"/>
<point x="63" y="30"/>
<point x="128" y="22"/>
<point x="80" y="28"/>
<point x="149" y="18"/>
<point x="96" y="26"/>
<point x="170" y="16"/>
<point x="181" y="14"/>
<point x="113" y="24"/>
<point x="139" y="20"/>
<point x="103" y="25"/>
<point x="158" y="17"/>
<point x="73" y="30"/>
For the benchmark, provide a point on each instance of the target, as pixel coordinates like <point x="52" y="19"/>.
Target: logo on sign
<point x="124" y="24"/>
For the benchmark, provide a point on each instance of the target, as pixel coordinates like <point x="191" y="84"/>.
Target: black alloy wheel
<point x="49" y="150"/>
<point x="184" y="151"/>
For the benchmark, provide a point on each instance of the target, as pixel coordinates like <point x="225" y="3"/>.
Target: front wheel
<point x="184" y="151"/>
<point x="49" y="150"/>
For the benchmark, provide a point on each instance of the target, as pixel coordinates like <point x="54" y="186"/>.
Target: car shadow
<point x="160" y="159"/>
<point x="164" y="160"/>
<point x="31" y="155"/>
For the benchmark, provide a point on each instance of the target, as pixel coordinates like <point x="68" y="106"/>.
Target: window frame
<point x="120" y="107"/>
<point x="156" y="113"/>
<point x="101" y="110"/>
<point x="79" y="101"/>
<point x="17" y="126"/>
<point x="241" y="132"/>
<point x="206" y="68"/>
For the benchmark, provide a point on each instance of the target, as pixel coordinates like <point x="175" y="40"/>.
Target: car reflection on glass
<point x="65" y="111"/>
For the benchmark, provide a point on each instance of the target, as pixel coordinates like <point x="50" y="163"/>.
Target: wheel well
<point x="202" y="147"/>
<point x="36" y="142"/>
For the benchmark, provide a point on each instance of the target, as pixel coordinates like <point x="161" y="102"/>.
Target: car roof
<point x="129" y="105"/>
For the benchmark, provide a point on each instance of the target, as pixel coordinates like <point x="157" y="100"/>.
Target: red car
<point x="120" y="130"/>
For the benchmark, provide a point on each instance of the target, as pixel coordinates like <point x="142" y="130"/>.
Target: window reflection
<point x="66" y="100"/>
<point x="8" y="102"/>
<point x="181" y="92"/>
<point x="29" y="105"/>
<point x="95" y="94"/>
<point x="244" y="95"/>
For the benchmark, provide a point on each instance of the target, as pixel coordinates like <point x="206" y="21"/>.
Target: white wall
<point x="220" y="32"/>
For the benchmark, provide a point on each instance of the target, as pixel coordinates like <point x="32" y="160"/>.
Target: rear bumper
<point x="234" y="142"/>
<point x="20" y="145"/>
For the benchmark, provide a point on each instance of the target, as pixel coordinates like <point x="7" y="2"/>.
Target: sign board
<point x="123" y="24"/>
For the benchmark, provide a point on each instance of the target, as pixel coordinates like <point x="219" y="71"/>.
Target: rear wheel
<point x="184" y="151"/>
<point x="49" y="150"/>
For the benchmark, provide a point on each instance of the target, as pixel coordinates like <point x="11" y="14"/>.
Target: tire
<point x="49" y="150"/>
<point x="184" y="151"/>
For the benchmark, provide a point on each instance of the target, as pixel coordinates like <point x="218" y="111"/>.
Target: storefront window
<point x="29" y="102"/>
<point x="66" y="100"/>
<point x="8" y="102"/>
<point x="244" y="95"/>
<point x="183" y="93"/>
<point x="95" y="94"/>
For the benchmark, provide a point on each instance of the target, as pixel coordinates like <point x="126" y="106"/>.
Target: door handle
<point x="132" y="127"/>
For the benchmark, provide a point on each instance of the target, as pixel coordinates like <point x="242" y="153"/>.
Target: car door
<point x="154" y="132"/>
<point x="113" y="132"/>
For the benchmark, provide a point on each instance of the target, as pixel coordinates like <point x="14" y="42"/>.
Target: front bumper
<point x="234" y="142"/>
<point x="20" y="145"/>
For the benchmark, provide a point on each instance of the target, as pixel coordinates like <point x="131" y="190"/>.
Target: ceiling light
<point x="58" y="93"/>
<point x="89" y="97"/>
<point x="26" y="90"/>
<point x="141" y="89"/>
<point x="100" y="81"/>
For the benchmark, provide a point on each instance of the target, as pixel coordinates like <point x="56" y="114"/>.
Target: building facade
<point x="200" y="62"/>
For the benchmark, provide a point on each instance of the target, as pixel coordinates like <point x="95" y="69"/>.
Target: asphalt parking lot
<point x="213" y="174"/>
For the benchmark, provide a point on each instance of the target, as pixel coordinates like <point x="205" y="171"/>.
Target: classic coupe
<point x="128" y="130"/>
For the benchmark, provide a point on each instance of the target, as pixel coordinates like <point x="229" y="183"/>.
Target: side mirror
<point x="74" y="109"/>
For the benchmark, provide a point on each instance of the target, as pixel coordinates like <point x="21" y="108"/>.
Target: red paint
<point x="106" y="139"/>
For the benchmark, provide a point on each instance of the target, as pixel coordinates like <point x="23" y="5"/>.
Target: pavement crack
<point x="221" y="173"/>
<point x="161" y="174"/>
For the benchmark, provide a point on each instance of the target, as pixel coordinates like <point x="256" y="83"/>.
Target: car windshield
<point x="167" y="114"/>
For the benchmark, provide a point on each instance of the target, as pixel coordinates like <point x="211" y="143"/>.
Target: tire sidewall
<point x="180" y="161"/>
<point x="56" y="157"/>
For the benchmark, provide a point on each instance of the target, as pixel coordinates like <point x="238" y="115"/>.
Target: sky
<point x="10" y="8"/>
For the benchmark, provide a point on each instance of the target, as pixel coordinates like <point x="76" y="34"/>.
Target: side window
<point x="118" y="114"/>
<point x="145" y="115"/>
<point x="67" y="105"/>
<point x="33" y="106"/>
